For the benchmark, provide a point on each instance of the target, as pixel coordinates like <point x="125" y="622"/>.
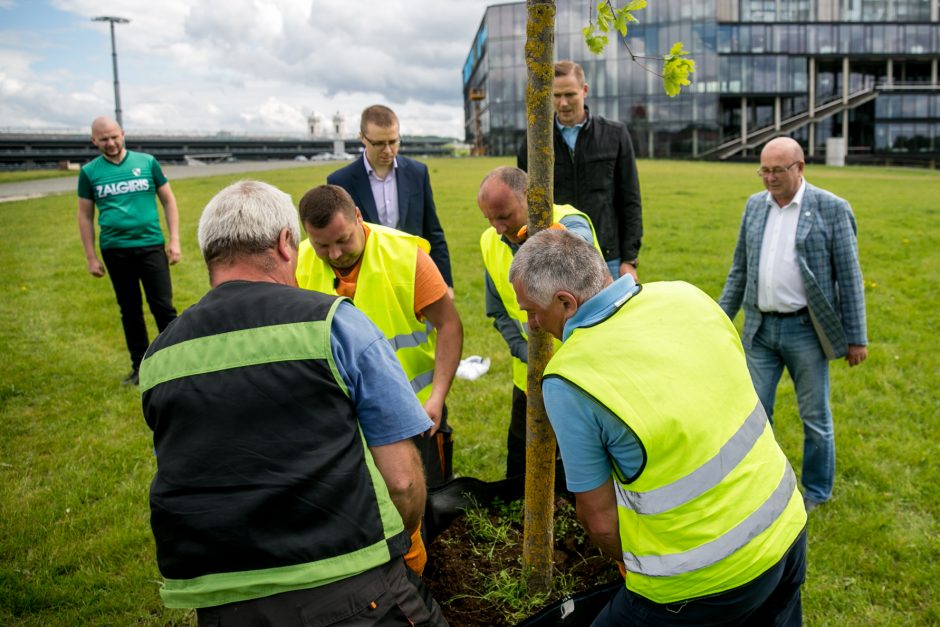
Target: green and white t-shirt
<point x="125" y="195"/>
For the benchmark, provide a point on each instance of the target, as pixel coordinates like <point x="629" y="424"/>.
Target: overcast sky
<point x="236" y="65"/>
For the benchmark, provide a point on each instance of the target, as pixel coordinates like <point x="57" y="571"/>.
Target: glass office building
<point x="862" y="71"/>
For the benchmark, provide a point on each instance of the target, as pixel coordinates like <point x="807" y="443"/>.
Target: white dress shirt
<point x="779" y="283"/>
<point x="385" y="193"/>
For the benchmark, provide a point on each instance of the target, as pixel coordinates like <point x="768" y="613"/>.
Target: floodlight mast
<point x="117" y="85"/>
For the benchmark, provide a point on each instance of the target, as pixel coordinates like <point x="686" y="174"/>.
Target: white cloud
<point x="244" y="65"/>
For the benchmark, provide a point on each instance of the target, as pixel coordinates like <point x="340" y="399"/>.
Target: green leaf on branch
<point x="608" y="16"/>
<point x="623" y="18"/>
<point x="595" y="43"/>
<point x="604" y="16"/>
<point x="676" y="69"/>
<point x="625" y="15"/>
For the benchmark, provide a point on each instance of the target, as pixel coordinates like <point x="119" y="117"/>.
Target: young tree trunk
<point x="540" y="439"/>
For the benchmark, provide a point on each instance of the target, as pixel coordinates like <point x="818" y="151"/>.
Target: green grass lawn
<point x="76" y="456"/>
<point x="16" y="176"/>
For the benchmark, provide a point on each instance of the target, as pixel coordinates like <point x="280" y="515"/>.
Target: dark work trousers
<point x="771" y="599"/>
<point x="129" y="268"/>
<point x="515" y="442"/>
<point x="390" y="595"/>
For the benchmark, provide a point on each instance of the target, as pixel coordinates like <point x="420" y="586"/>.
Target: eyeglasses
<point x="765" y="172"/>
<point x="392" y="143"/>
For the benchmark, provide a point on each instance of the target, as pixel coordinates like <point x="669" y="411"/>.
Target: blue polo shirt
<point x="375" y="380"/>
<point x="590" y="436"/>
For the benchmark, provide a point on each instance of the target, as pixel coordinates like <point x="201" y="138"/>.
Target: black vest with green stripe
<point x="261" y="463"/>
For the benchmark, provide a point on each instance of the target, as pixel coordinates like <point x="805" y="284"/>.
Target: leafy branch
<point x="676" y="67"/>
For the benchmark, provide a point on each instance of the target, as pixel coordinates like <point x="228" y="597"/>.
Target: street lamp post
<point x="117" y="85"/>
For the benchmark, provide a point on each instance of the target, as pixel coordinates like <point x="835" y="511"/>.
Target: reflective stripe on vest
<point x="497" y="257"/>
<point x="720" y="548"/>
<point x="385" y="293"/>
<point x="704" y="478"/>
<point x="410" y="340"/>
<point x="225" y="356"/>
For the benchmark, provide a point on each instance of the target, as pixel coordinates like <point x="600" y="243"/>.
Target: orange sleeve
<point x="429" y="284"/>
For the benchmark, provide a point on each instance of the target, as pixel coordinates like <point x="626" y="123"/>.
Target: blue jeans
<point x="614" y="266"/>
<point x="792" y="342"/>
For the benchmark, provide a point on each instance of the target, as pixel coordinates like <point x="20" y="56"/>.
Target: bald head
<point x="785" y="146"/>
<point x="502" y="199"/>
<point x="108" y="137"/>
<point x="103" y="122"/>
<point x="781" y="167"/>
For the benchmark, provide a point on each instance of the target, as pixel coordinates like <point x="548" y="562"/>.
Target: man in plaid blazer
<point x="796" y="273"/>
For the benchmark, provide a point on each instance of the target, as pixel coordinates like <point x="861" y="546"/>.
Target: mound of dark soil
<point x="474" y="574"/>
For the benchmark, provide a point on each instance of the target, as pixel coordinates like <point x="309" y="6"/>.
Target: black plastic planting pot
<point x="447" y="502"/>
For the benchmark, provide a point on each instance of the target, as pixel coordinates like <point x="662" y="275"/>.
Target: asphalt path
<point x="45" y="187"/>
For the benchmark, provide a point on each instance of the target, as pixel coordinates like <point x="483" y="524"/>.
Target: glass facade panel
<point x="917" y="38"/>
<point x="727" y="38"/>
<point x="765" y="56"/>
<point x="875" y="9"/>
<point x="854" y="38"/>
<point x="826" y="41"/>
<point x="758" y="10"/>
<point x="892" y="39"/>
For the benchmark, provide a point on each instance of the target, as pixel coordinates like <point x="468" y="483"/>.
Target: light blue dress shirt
<point x="570" y="133"/>
<point x="385" y="194"/>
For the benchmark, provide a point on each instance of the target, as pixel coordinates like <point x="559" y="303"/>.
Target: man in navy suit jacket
<point x="392" y="190"/>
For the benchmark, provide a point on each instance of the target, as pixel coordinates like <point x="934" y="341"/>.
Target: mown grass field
<point x="17" y="176"/>
<point x="76" y="457"/>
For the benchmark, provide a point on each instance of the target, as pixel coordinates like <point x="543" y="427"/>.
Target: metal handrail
<point x="820" y="111"/>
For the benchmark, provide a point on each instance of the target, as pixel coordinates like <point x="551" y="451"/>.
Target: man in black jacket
<point x="595" y="171"/>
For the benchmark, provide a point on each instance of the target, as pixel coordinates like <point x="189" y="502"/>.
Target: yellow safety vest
<point x="497" y="257"/>
<point x="716" y="503"/>
<point x="385" y="292"/>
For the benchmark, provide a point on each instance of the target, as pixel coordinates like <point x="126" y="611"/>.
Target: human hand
<point x="435" y="411"/>
<point x="628" y="268"/>
<point x="856" y="355"/>
<point x="173" y="253"/>
<point x="417" y="556"/>
<point x="95" y="268"/>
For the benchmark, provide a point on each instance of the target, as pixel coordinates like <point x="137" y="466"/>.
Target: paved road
<point x="46" y="187"/>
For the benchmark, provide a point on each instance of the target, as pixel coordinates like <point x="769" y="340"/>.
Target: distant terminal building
<point x="51" y="149"/>
<point x="858" y="75"/>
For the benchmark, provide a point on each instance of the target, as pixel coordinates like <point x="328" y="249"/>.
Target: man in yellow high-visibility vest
<point x="503" y="201"/>
<point x="390" y="276"/>
<point x="673" y="463"/>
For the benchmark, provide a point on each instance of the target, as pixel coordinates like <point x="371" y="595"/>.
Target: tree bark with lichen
<point x="540" y="439"/>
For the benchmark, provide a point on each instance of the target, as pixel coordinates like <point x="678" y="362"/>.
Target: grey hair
<point x="245" y="218"/>
<point x="553" y="260"/>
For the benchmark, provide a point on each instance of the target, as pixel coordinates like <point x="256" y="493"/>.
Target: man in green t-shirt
<point x="122" y="185"/>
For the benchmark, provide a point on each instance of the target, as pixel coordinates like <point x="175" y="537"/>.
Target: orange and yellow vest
<point x="385" y="292"/>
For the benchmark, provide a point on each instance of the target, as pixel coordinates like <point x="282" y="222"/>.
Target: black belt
<point x="784" y="314"/>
